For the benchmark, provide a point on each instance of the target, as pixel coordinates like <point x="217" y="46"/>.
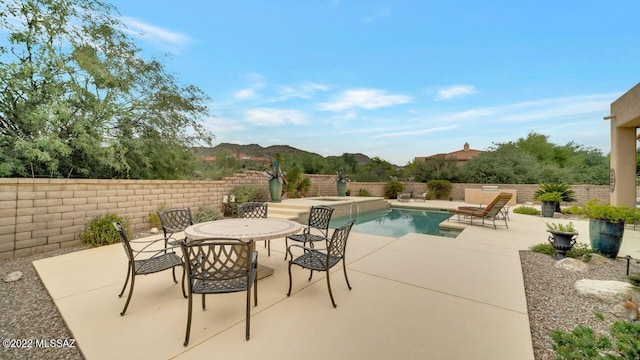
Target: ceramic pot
<point x="606" y="236"/>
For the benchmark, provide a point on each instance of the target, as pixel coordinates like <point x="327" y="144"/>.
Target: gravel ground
<point x="29" y="313"/>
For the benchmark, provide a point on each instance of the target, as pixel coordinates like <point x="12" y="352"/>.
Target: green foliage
<point x="595" y="210"/>
<point x="79" y="99"/>
<point x="437" y="168"/>
<point x="565" y="192"/>
<point x="297" y="185"/>
<point x="154" y="219"/>
<point x="527" y="210"/>
<point x="207" y="213"/>
<point x="392" y="188"/>
<point x="634" y="279"/>
<point x="583" y="343"/>
<point x="550" y="196"/>
<point x="441" y="189"/>
<point x="364" y="192"/>
<point x="341" y="175"/>
<point x="100" y="231"/>
<point x="248" y="193"/>
<point x="544" y="248"/>
<point x="562" y="227"/>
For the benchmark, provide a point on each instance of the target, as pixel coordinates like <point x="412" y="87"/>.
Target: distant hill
<point x="255" y="150"/>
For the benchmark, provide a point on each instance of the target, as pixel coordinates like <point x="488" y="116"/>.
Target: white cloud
<point x="455" y="91"/>
<point x="415" y="132"/>
<point x="268" y="117"/>
<point x="370" y="99"/>
<point x="245" y="94"/>
<point x="154" y="34"/>
<point x="303" y="91"/>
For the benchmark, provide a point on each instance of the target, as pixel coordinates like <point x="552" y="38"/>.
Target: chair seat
<point x="315" y="261"/>
<point x="213" y="286"/>
<point x="307" y="237"/>
<point x="157" y="263"/>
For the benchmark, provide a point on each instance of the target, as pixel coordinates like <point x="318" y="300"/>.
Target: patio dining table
<point x="245" y="229"/>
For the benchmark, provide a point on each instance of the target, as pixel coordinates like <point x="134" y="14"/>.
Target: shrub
<point x="154" y="219"/>
<point x="544" y="248"/>
<point x="247" y="193"/>
<point x="583" y="343"/>
<point x="440" y="188"/>
<point x="207" y="213"/>
<point x="100" y="230"/>
<point x="392" y="188"/>
<point x="364" y="192"/>
<point x="527" y="210"/>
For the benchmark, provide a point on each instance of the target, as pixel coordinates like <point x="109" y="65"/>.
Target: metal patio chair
<point x="217" y="266"/>
<point x="255" y="210"/>
<point x="317" y="260"/>
<point x="152" y="257"/>
<point x="319" y="219"/>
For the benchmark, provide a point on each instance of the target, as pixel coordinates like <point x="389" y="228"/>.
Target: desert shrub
<point x="154" y="219"/>
<point x="544" y="248"/>
<point x="100" y="231"/>
<point x="207" y="213"/>
<point x="247" y="193"/>
<point x="572" y="210"/>
<point x="583" y="343"/>
<point x="527" y="210"/>
<point x="440" y="188"/>
<point x="392" y="188"/>
<point x="364" y="192"/>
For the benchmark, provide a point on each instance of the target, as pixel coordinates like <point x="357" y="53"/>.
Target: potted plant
<point x="549" y="202"/>
<point x="341" y="181"/>
<point x="563" y="237"/>
<point x="606" y="225"/>
<point x="566" y="193"/>
<point x="276" y="180"/>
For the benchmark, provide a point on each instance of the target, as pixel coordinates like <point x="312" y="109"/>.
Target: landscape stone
<point x="598" y="259"/>
<point x="608" y="291"/>
<point x="627" y="310"/>
<point x="154" y="230"/>
<point x="14" y="276"/>
<point x="571" y="264"/>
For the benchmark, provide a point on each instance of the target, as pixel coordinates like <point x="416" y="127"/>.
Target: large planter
<point x="342" y="188"/>
<point x="548" y="208"/>
<point x="275" y="189"/>
<point x="606" y="236"/>
<point x="562" y="242"/>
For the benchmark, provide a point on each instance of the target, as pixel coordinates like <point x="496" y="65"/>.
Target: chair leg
<point x="255" y="290"/>
<point x="184" y="273"/>
<point x="286" y="246"/>
<point x="248" y="314"/>
<point x="344" y="268"/>
<point x="126" y="281"/>
<point x="204" y="306"/>
<point x="268" y="245"/>
<point x="329" y="286"/>
<point x="173" y="271"/>
<point x="289" y="292"/>
<point x="126" y="305"/>
<point x="310" y="274"/>
<point x="186" y="337"/>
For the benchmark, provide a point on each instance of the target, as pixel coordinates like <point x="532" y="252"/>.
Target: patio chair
<point x="492" y="211"/>
<point x="255" y="210"/>
<point x="319" y="219"/>
<point x="221" y="265"/>
<point x="173" y="221"/>
<point x="151" y="258"/>
<point x="316" y="260"/>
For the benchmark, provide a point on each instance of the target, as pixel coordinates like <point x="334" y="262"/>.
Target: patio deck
<point x="414" y="297"/>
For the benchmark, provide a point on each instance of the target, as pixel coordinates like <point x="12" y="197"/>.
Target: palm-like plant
<point x="565" y="192"/>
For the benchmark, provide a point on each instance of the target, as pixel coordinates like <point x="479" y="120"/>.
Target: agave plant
<point x="342" y="177"/>
<point x="276" y="172"/>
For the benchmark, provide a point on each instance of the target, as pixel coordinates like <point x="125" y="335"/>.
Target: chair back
<point x="124" y="240"/>
<point x="320" y="217"/>
<point x="218" y="260"/>
<point x="175" y="220"/>
<point x="497" y="204"/>
<point x="338" y="243"/>
<point x="252" y="210"/>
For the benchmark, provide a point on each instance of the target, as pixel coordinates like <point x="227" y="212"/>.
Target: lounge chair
<point x="491" y="211"/>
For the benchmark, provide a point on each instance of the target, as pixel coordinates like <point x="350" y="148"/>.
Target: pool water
<point x="398" y="222"/>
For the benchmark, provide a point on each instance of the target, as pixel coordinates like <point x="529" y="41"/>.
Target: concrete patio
<point x="413" y="297"/>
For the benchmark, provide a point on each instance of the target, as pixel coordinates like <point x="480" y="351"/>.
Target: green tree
<point x="78" y="99"/>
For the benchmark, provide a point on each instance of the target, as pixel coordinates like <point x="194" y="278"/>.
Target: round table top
<point x="244" y="229"/>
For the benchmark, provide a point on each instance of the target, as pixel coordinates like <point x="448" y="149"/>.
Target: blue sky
<point x="397" y="79"/>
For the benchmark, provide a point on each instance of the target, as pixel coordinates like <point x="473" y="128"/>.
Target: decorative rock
<point x="627" y="310"/>
<point x="598" y="260"/>
<point x="154" y="230"/>
<point x="14" y="276"/>
<point x="604" y="290"/>
<point x="571" y="264"/>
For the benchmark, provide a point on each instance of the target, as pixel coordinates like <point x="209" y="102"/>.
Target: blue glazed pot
<point x="606" y="237"/>
<point x="275" y="189"/>
<point x="548" y="208"/>
<point x="342" y="188"/>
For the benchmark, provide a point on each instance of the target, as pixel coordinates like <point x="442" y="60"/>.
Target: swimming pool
<point x="398" y="222"/>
